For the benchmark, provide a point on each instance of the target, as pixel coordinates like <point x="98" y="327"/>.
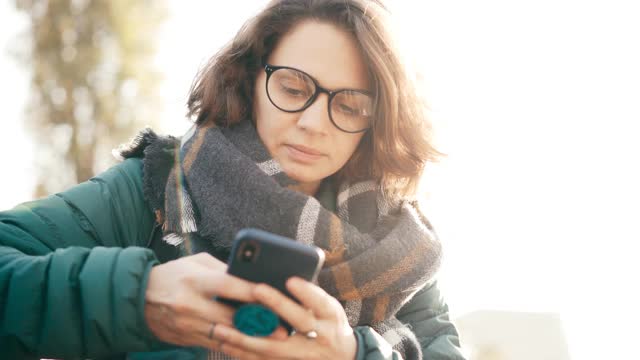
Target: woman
<point x="306" y="126"/>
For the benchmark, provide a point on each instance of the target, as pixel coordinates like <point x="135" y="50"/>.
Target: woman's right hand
<point x="179" y="306"/>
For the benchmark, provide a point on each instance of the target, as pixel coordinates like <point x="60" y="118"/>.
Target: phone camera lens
<point x="247" y="253"/>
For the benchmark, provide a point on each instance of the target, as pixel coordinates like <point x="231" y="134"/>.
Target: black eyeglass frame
<point x="270" y="69"/>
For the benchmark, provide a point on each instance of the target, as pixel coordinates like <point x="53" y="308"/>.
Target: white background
<point x="537" y="105"/>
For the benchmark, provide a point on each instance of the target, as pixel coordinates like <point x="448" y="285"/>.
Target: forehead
<point x="326" y="52"/>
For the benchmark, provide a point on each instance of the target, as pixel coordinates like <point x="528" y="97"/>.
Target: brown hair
<point x="394" y="151"/>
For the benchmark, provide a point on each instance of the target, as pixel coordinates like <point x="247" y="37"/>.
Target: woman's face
<point x="306" y="144"/>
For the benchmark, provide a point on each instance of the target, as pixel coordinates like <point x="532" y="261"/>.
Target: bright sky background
<point x="537" y="105"/>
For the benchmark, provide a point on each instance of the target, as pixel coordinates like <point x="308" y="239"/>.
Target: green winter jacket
<point x="73" y="274"/>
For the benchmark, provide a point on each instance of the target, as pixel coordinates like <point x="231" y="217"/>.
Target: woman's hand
<point x="320" y="313"/>
<point x="179" y="305"/>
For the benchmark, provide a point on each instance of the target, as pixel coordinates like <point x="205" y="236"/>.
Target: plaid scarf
<point x="216" y="181"/>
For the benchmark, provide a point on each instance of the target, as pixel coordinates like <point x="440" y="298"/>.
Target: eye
<point x="297" y="92"/>
<point x="347" y="110"/>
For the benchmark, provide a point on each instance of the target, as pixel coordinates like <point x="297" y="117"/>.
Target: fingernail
<point x="296" y="282"/>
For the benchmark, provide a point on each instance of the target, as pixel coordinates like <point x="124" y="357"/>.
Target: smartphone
<point x="263" y="257"/>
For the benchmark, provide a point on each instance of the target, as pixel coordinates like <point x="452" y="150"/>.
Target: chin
<point x="301" y="174"/>
<point x="303" y="178"/>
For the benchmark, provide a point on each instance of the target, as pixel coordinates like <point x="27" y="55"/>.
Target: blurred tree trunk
<point x="93" y="83"/>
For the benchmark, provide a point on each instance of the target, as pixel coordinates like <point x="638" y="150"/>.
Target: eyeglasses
<point x="292" y="90"/>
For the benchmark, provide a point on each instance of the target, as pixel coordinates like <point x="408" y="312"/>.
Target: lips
<point x="303" y="154"/>
<point x="306" y="150"/>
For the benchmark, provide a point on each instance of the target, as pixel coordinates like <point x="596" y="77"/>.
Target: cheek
<point x="265" y="131"/>
<point x="347" y="146"/>
<point x="261" y="113"/>
<point x="264" y="125"/>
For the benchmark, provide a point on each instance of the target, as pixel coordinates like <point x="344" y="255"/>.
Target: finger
<point x="218" y="283"/>
<point x="208" y="260"/>
<point x="211" y="310"/>
<point x="239" y="353"/>
<point x="243" y="354"/>
<point x="296" y="315"/>
<point x="261" y="346"/>
<point x="190" y="303"/>
<point x="191" y="331"/>
<point x="279" y="334"/>
<point x="313" y="297"/>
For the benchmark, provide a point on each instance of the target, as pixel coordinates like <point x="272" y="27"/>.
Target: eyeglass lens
<point x="291" y="90"/>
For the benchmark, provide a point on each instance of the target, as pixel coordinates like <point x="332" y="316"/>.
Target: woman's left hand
<point x="319" y="313"/>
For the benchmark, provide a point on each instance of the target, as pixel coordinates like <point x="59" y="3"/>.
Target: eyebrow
<point x="365" y="91"/>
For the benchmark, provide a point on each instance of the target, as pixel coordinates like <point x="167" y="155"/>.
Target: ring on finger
<point x="311" y="333"/>
<point x="314" y="330"/>
<point x="213" y="326"/>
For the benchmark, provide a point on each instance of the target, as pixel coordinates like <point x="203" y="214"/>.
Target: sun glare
<point x="537" y="201"/>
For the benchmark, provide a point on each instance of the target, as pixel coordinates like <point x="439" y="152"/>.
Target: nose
<point x="315" y="118"/>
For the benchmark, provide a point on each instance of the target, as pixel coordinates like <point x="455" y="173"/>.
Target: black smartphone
<point x="263" y="257"/>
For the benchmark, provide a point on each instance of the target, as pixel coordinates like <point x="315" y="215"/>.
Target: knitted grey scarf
<point x="216" y="181"/>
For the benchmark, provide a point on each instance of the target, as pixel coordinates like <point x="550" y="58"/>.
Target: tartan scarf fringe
<point x="378" y="252"/>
